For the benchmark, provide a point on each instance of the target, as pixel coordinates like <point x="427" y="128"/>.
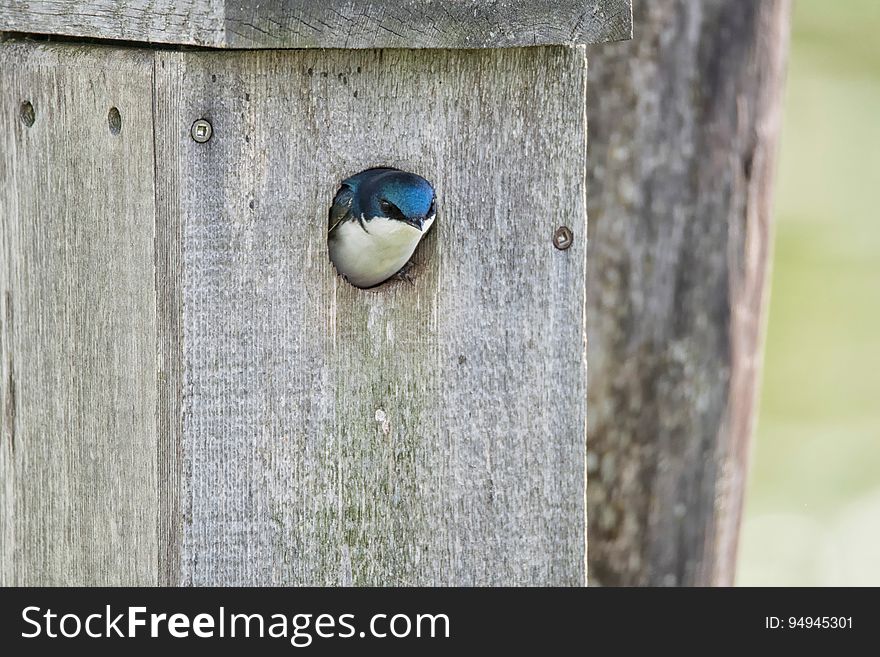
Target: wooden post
<point x="192" y="396"/>
<point x="684" y="123"/>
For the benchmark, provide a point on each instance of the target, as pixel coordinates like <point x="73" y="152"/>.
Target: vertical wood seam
<point x="167" y="271"/>
<point x="584" y="332"/>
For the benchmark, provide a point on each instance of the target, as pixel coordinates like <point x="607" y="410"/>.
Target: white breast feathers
<point x="367" y="258"/>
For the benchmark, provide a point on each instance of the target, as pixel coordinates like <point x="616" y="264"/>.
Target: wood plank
<point x="683" y="132"/>
<point x="78" y="452"/>
<point x="191" y="22"/>
<point x="169" y="299"/>
<point x="425" y="23"/>
<point x="411" y="434"/>
<point x="328" y="23"/>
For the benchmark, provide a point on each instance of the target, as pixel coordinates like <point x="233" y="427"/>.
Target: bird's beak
<point x="416" y="222"/>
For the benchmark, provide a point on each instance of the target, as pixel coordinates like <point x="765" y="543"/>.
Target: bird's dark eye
<point x="385" y="205"/>
<point x="433" y="207"/>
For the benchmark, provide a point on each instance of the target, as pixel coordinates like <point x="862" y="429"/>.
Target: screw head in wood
<point x="201" y="131"/>
<point x="563" y="238"/>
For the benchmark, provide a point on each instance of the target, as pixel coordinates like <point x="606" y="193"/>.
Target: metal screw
<point x="27" y="114"/>
<point x="563" y="238"/>
<point x="201" y="131"/>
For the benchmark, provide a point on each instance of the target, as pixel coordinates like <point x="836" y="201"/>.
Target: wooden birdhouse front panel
<point x="334" y="435"/>
<point x="222" y="407"/>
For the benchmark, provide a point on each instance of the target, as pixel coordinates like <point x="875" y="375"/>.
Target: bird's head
<point x="398" y="196"/>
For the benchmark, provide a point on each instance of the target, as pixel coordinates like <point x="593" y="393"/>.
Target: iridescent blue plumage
<point x="386" y="192"/>
<point x="377" y="219"/>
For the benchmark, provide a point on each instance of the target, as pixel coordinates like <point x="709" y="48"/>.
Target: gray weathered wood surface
<point x="413" y="434"/>
<point x="77" y="347"/>
<point x="327" y="23"/>
<point x="683" y="129"/>
<point x="192" y="396"/>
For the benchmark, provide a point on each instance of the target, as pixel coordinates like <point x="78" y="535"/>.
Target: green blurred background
<point x="813" y="505"/>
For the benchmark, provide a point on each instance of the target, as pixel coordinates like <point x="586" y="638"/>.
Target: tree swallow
<point x="376" y="222"/>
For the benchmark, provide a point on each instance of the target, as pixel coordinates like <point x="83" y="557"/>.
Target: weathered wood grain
<point x="683" y="129"/>
<point x="328" y="23"/>
<point x="411" y="434"/>
<point x="192" y="22"/>
<point x="169" y="300"/>
<point x="78" y="449"/>
<point x="424" y="23"/>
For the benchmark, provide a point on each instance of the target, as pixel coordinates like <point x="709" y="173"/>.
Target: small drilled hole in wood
<point x="114" y="120"/>
<point x="27" y="114"/>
